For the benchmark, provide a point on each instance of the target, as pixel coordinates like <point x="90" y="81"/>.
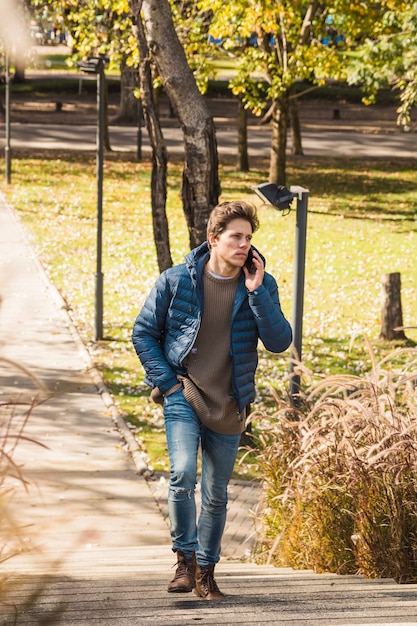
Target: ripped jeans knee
<point x="180" y="493"/>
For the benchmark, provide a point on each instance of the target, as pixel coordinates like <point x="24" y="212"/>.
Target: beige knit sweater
<point x="209" y="363"/>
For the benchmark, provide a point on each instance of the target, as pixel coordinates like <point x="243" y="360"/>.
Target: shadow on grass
<point x="374" y="188"/>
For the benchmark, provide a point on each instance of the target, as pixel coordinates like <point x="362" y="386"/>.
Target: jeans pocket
<point x="174" y="396"/>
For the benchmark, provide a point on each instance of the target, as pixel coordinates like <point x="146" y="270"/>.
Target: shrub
<point x="339" y="471"/>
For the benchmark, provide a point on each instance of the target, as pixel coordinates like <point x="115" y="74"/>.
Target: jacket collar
<point x="197" y="255"/>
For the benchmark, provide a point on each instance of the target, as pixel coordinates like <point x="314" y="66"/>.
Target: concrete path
<point x="124" y="139"/>
<point x="89" y="531"/>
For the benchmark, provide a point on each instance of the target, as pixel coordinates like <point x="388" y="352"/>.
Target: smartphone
<point x="249" y="262"/>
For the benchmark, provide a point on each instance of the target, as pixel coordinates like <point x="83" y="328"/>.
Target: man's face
<point x="232" y="245"/>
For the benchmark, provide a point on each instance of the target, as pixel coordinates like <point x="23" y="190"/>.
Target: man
<point x="197" y="337"/>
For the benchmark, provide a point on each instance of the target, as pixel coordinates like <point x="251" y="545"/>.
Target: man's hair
<point x="225" y="212"/>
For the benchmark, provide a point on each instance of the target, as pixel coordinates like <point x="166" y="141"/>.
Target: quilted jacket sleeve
<point x="274" y="330"/>
<point x="148" y="336"/>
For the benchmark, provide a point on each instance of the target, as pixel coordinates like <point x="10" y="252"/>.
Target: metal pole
<point x="100" y="151"/>
<point x="7" y="150"/>
<point x="298" y="286"/>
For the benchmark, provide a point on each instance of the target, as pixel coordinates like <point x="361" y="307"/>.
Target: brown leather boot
<point x="205" y="585"/>
<point x="184" y="579"/>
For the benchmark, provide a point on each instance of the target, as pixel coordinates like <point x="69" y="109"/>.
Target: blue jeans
<point x="185" y="433"/>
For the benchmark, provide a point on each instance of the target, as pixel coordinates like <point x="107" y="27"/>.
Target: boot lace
<point x="184" y="567"/>
<point x="207" y="581"/>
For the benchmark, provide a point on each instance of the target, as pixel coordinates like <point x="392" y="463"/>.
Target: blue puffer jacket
<point x="167" y="326"/>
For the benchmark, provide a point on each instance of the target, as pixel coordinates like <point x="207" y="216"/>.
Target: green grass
<point x="49" y="61"/>
<point x="361" y="224"/>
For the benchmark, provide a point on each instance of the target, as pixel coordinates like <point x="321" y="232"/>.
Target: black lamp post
<point x="96" y="65"/>
<point x="281" y="198"/>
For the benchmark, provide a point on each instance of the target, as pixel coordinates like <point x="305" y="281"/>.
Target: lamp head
<point x="92" y="65"/>
<point x="278" y="195"/>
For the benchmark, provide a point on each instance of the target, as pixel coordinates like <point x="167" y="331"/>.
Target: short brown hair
<point x="225" y="212"/>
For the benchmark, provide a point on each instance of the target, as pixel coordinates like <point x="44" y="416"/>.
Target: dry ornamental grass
<point x="15" y="411"/>
<point x="340" y="473"/>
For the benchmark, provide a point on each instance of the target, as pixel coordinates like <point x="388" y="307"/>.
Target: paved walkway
<point x="89" y="530"/>
<point x="316" y="142"/>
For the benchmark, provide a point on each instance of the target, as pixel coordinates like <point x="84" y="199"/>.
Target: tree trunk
<point x="200" y="182"/>
<point x="277" y="167"/>
<point x="159" y="150"/>
<point x="392" y="316"/>
<point x="129" y="81"/>
<point x="19" y="68"/>
<point x="297" y="147"/>
<point x="242" y="164"/>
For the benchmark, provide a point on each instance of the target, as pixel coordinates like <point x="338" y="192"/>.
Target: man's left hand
<point x="252" y="281"/>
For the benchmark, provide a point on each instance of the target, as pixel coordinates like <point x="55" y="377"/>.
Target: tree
<point x="200" y="183"/>
<point x="192" y="22"/>
<point x="99" y="27"/>
<point x="389" y="59"/>
<point x="159" y="150"/>
<point x="129" y="83"/>
<point x="105" y="26"/>
<point x="242" y="162"/>
<point x="288" y="43"/>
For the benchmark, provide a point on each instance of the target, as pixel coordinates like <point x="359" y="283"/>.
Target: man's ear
<point x="211" y="239"/>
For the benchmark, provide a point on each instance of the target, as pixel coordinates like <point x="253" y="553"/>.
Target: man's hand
<point x="252" y="281"/>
